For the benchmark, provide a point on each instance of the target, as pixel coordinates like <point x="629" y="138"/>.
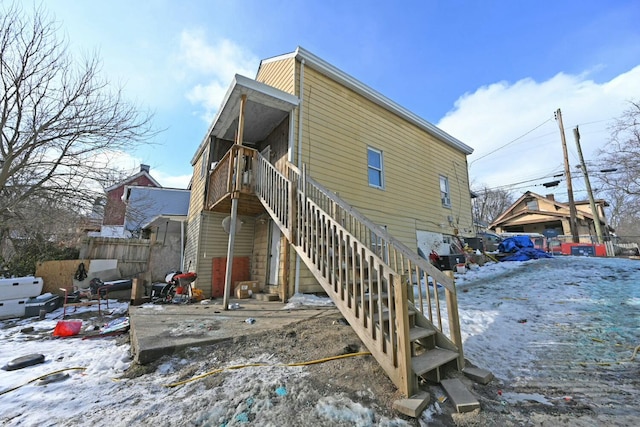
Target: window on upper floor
<point x="532" y="204"/>
<point x="445" y="196"/>
<point x="375" y="168"/>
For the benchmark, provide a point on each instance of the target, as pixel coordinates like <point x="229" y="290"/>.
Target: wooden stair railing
<point x="427" y="299"/>
<point x="361" y="268"/>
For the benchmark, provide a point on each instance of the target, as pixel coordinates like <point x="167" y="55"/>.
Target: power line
<point x="510" y="142"/>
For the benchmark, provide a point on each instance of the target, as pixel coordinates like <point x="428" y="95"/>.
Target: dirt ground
<point x="363" y="381"/>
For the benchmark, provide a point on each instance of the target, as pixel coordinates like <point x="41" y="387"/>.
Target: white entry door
<point x="274" y="254"/>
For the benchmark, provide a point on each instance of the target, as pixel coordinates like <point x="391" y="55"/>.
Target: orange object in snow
<point x="67" y="328"/>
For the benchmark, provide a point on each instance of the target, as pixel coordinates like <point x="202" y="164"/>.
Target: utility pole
<point x="567" y="172"/>
<point x="592" y="203"/>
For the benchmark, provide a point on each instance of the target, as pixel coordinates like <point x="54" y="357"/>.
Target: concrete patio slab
<point x="158" y="330"/>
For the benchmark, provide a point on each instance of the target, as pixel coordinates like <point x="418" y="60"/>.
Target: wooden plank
<point x="414" y="405"/>
<point x="454" y="321"/>
<point x="59" y="274"/>
<point x="404" y="347"/>
<point x="431" y="360"/>
<point x="462" y="398"/>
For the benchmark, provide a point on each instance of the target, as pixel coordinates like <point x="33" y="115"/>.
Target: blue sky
<point x="485" y="71"/>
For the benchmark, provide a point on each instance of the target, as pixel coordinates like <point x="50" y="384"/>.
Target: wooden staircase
<point x="402" y="308"/>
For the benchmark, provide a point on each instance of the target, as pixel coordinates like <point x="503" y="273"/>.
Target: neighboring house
<point x="113" y="223"/>
<point x="313" y="182"/>
<point x="533" y="213"/>
<point x="161" y="215"/>
<point x="150" y="204"/>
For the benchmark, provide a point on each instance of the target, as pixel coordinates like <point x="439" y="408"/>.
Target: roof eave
<point x="244" y="84"/>
<point x="340" y="76"/>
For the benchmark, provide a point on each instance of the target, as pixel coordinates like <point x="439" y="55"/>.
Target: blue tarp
<point x="522" y="249"/>
<point x="513" y="244"/>
<point x="525" y="254"/>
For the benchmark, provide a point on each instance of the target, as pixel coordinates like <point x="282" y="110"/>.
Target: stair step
<point x="266" y="297"/>
<point x="431" y="360"/>
<point x="460" y="396"/>
<point x="416" y="333"/>
<point x="414" y="405"/>
<point x="385" y="314"/>
<point x="478" y="375"/>
<point x="374" y="297"/>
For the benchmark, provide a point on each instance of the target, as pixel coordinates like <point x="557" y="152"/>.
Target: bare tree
<point x="490" y="203"/>
<point x="62" y="124"/>
<point x="61" y="121"/>
<point x="620" y="184"/>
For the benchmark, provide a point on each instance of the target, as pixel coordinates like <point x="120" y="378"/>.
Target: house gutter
<point x="301" y="96"/>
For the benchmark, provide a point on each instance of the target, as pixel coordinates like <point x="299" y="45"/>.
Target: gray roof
<point x="146" y="203"/>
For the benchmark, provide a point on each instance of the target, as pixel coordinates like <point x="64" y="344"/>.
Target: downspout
<point x="182" y="245"/>
<point x="297" y="277"/>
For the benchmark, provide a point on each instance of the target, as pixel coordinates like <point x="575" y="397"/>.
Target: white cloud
<point x="171" y="181"/>
<point x="214" y="64"/>
<point x="496" y="114"/>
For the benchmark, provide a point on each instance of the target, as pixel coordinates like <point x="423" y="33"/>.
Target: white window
<point x="444" y="192"/>
<point x="532" y="204"/>
<point x="375" y="168"/>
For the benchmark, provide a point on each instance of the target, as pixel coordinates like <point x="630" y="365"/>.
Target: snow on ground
<point x="561" y="323"/>
<point x="552" y="322"/>
<point x="96" y="395"/>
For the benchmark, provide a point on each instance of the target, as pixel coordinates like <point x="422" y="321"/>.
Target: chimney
<point x="145" y="168"/>
<point x="551" y="197"/>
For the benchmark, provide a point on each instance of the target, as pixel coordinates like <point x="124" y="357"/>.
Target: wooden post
<point x="235" y="162"/>
<point x="587" y="183"/>
<point x="240" y="134"/>
<point x="404" y="346"/>
<point x="567" y="171"/>
<point x="292" y="210"/>
<point x="454" y="320"/>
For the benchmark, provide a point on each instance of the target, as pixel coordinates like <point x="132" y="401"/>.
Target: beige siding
<point x="339" y="125"/>
<point x="308" y="283"/>
<point x="278" y="140"/>
<point x="194" y="217"/>
<point x="214" y="243"/>
<point x="191" y="246"/>
<point x="279" y="74"/>
<point x="198" y="184"/>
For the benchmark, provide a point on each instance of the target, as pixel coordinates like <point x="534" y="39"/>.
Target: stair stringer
<point x="313" y="234"/>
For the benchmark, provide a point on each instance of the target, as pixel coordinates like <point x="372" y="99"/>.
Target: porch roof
<point x="265" y="108"/>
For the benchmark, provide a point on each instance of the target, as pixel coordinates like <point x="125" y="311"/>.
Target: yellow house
<point x="533" y="213"/>
<point x="310" y="181"/>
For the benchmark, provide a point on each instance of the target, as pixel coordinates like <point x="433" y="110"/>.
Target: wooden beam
<point x="240" y="133"/>
<point x="454" y="320"/>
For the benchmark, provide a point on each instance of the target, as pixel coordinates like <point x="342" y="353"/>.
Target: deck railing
<point x="275" y="192"/>
<point x="365" y="270"/>
<point x="231" y="174"/>
<point x="434" y="293"/>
